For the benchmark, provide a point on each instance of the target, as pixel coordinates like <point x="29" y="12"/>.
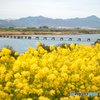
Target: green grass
<point x="87" y="31"/>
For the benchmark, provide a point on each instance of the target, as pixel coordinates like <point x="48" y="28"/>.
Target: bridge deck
<point x="47" y="36"/>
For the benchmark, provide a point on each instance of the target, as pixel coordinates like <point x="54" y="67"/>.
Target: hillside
<point x="91" y="21"/>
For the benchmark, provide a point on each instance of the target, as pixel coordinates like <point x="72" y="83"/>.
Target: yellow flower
<point x="25" y="73"/>
<point x="29" y="99"/>
<point x="6" y="51"/>
<point x="45" y="85"/>
<point x="51" y="77"/>
<point x="50" y="74"/>
<point x="17" y="75"/>
<point x="52" y="92"/>
<point x="65" y="46"/>
<point x="96" y="98"/>
<point x="52" y="47"/>
<point x="2" y="70"/>
<point x="42" y="51"/>
<point x="65" y="98"/>
<point x="91" y="75"/>
<point x="64" y="68"/>
<point x="77" y="97"/>
<point x="0" y="86"/>
<point x="43" y="98"/>
<point x="9" y="84"/>
<point x="72" y="46"/>
<point x="38" y="44"/>
<point x="36" y="53"/>
<point x="40" y="91"/>
<point x="65" y="51"/>
<point x="29" y="49"/>
<point x="94" y="88"/>
<point x="24" y="92"/>
<point x="16" y="53"/>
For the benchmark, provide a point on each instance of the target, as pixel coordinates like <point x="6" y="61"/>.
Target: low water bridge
<point x="45" y="37"/>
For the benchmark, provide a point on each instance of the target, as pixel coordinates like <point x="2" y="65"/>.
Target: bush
<point x="94" y="44"/>
<point x="62" y="45"/>
<point x="97" y="42"/>
<point x="12" y="51"/>
<point x="45" y="47"/>
<point x="23" y="33"/>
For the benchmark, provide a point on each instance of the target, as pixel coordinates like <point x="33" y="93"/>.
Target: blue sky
<point x="49" y="8"/>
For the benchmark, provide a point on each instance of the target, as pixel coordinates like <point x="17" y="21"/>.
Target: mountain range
<point x="90" y="21"/>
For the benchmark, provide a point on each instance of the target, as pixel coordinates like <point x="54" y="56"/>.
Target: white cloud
<point x="49" y="8"/>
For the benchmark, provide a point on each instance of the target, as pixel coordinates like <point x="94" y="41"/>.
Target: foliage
<point x="97" y="42"/>
<point x="23" y="33"/>
<point x="43" y="33"/>
<point x="94" y="44"/>
<point x="43" y="27"/>
<point x="62" y="45"/>
<point x="51" y="30"/>
<point x="12" y="51"/>
<point x="45" y="47"/>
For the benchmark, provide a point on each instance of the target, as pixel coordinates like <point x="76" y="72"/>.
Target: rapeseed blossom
<point x="52" y="47"/>
<point x="38" y="44"/>
<point x="16" y="54"/>
<point x="41" y="75"/>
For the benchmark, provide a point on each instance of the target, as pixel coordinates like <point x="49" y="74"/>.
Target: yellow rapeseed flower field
<point x="42" y="75"/>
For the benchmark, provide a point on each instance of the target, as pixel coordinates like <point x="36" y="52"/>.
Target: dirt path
<point x="37" y="33"/>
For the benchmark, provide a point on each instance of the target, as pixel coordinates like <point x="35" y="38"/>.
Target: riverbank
<point x="8" y="31"/>
<point x="43" y="33"/>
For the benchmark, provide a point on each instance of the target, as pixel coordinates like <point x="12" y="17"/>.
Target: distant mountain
<point x="91" y="21"/>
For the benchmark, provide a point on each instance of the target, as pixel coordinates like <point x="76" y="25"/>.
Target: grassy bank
<point x="32" y="31"/>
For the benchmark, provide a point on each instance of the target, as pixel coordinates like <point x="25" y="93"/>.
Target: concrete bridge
<point x="45" y="37"/>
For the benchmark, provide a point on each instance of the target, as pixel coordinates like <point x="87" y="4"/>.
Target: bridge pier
<point x="29" y="37"/>
<point x="10" y="36"/>
<point x="45" y="38"/>
<point x="88" y="39"/>
<point x="53" y="38"/>
<point x="79" y="39"/>
<point x="25" y="37"/>
<point x="7" y="36"/>
<point x="61" y="38"/>
<point x="70" y="39"/>
<point x="21" y="37"/>
<point x="18" y="37"/>
<point x="14" y="37"/>
<point x="4" y="36"/>
<point x="37" y="38"/>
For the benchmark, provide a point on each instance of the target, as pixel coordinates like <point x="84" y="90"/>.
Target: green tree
<point x="46" y="27"/>
<point x="40" y="27"/>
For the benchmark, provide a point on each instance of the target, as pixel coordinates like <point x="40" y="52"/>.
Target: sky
<point x="56" y="9"/>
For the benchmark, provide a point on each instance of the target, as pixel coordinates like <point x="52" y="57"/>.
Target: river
<point x="21" y="45"/>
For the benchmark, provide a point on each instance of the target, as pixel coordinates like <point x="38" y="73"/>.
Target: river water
<point x="21" y="45"/>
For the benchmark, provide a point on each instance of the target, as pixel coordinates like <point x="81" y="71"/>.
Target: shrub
<point x="45" y="47"/>
<point x="12" y="51"/>
<point x="62" y="45"/>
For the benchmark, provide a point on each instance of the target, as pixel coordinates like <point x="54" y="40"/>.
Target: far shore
<point x="44" y="33"/>
<point x="31" y="31"/>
